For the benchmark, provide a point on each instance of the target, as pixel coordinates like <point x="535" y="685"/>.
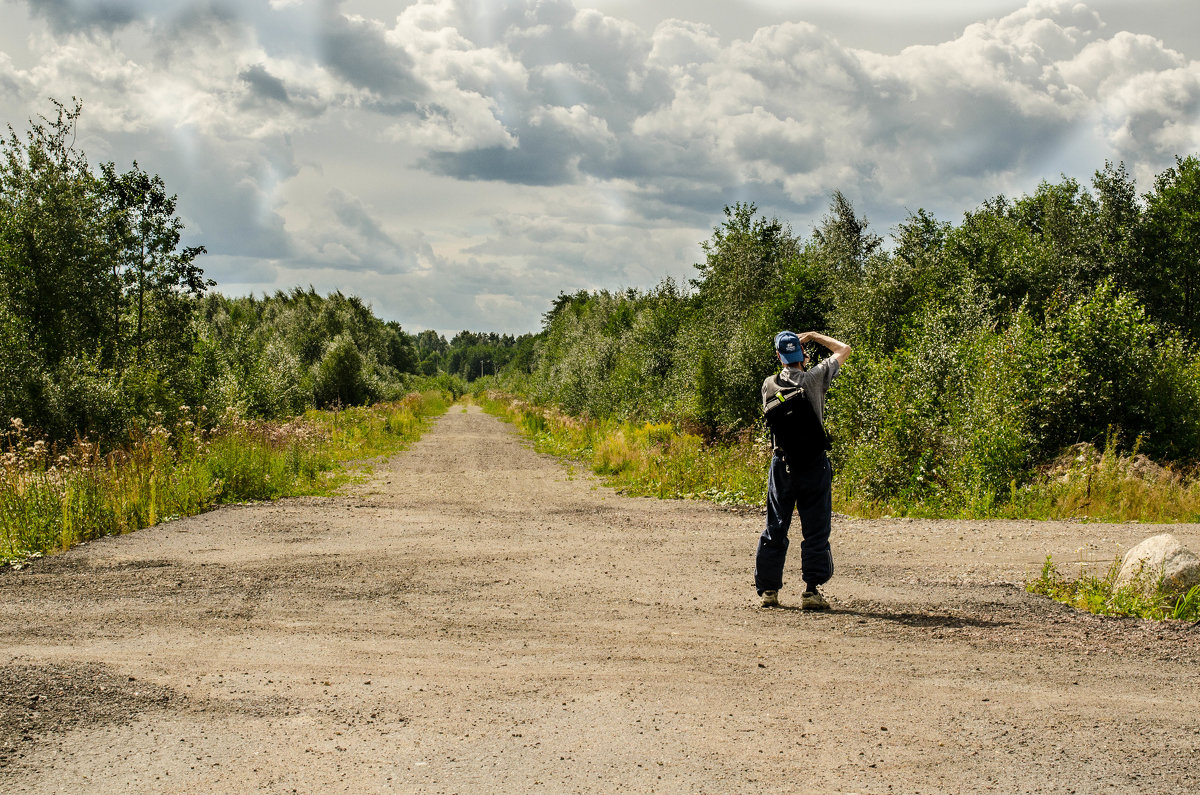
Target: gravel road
<point x="481" y="618"/>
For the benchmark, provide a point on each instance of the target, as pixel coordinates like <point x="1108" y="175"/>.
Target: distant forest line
<point x="982" y="348"/>
<point x="107" y="323"/>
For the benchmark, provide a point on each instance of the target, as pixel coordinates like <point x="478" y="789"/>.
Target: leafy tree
<point x="1090" y="369"/>
<point x="844" y="239"/>
<point x="879" y="310"/>
<point x="158" y="279"/>
<point x="1052" y="243"/>
<point x="277" y="354"/>
<point x="53" y="241"/>
<point x="1117" y="228"/>
<point x="744" y="259"/>
<point x="754" y="281"/>
<point x="92" y="280"/>
<point x="983" y="348"/>
<point x="431" y="351"/>
<point x="1171" y="238"/>
<point x="341" y="377"/>
<point x="399" y="351"/>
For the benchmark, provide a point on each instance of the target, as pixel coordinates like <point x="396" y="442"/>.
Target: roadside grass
<point x="51" y="499"/>
<point x="1142" y="598"/>
<point x="663" y="461"/>
<point x="645" y="459"/>
<point x="1103" y="485"/>
<point x="1109" y="487"/>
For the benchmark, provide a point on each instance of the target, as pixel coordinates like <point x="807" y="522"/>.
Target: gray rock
<point x="1161" y="554"/>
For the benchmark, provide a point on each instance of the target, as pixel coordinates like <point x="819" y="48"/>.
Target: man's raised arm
<point x="841" y="351"/>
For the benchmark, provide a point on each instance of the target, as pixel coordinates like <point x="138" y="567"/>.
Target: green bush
<point x="341" y="378"/>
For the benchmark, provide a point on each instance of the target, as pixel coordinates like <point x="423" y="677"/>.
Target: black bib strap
<point x="794" y="423"/>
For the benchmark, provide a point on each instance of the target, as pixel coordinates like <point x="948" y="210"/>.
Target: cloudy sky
<point x="458" y="163"/>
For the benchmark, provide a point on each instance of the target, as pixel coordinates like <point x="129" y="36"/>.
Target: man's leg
<point x="773" y="543"/>
<point x="814" y="503"/>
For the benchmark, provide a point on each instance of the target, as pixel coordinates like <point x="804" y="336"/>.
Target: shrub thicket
<point x="981" y="349"/>
<point x="277" y="355"/>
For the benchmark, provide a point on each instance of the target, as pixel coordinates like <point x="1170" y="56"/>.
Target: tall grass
<point x="662" y="460"/>
<point x="1107" y="486"/>
<point x="51" y="499"/>
<point x="649" y="459"/>
<point x="1104" y="485"/>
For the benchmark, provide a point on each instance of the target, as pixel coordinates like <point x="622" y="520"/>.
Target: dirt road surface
<point x="478" y="618"/>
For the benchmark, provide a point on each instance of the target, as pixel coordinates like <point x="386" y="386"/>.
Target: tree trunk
<point x="141" y="298"/>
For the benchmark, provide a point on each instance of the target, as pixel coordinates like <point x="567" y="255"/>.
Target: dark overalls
<point x="806" y="488"/>
<point x="807" y="491"/>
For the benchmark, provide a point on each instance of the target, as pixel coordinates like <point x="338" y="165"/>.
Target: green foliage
<point x="745" y="259"/>
<point x="274" y="356"/>
<point x="1098" y="365"/>
<point x="451" y="385"/>
<point x="330" y="347"/>
<point x="878" y="310"/>
<point x="647" y="459"/>
<point x="93" y="285"/>
<point x="472" y="355"/>
<point x="844" y="241"/>
<point x="696" y="359"/>
<point x="339" y="379"/>
<point x="54" y="241"/>
<point x="596" y="347"/>
<point x="1034" y="250"/>
<point x="1170" y="236"/>
<point x="981" y="350"/>
<point x="104" y="321"/>
<point x="936" y="421"/>
<point x="157" y="279"/>
<point x="51" y="499"/>
<point x="1101" y="594"/>
<point x="757" y="278"/>
<point x="1107" y="484"/>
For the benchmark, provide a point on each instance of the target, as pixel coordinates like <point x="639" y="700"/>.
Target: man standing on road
<point x="800" y="478"/>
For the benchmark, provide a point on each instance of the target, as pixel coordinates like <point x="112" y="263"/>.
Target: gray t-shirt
<point x="815" y="381"/>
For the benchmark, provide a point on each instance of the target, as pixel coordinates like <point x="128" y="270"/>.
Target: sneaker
<point x="812" y="600"/>
<point x="770" y="598"/>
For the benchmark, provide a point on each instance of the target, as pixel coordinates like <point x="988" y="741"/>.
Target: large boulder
<point x="1161" y="554"/>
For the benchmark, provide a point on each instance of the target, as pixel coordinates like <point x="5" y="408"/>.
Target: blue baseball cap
<point x="788" y="346"/>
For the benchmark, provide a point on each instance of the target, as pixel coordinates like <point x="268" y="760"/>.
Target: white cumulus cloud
<point x="480" y="155"/>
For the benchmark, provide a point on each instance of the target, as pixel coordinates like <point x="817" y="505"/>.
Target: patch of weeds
<point x="646" y="460"/>
<point x="1187" y="608"/>
<point x="1142" y="598"/>
<point x="51" y="499"/>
